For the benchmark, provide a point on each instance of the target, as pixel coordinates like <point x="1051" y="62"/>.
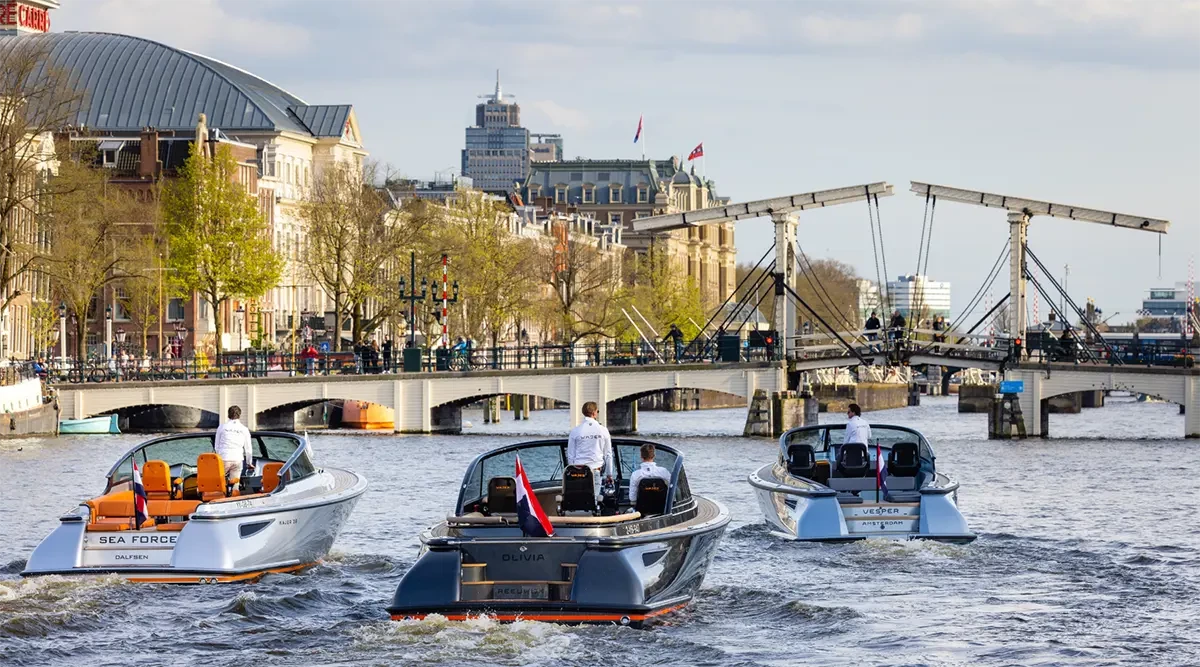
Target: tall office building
<point x="496" y="157"/>
<point x="912" y="294"/>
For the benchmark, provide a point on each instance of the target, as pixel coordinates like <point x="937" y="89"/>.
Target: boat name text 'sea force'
<point x="822" y="490"/>
<point x="199" y="530"/>
<point x="611" y="564"/>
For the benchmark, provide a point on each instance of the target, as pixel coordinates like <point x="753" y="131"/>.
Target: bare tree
<point x="586" y="286"/>
<point x="143" y="285"/>
<point x="36" y="99"/>
<point x="352" y="247"/>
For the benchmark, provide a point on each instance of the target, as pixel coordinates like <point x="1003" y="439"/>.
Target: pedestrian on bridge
<point x="896" y="327"/>
<point x="872" y="326"/>
<point x="676" y="336"/>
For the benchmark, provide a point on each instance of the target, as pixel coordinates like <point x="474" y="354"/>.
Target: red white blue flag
<point x="698" y="151"/>
<point x="638" y="135"/>
<point x="880" y="470"/>
<point x="533" y="520"/>
<point x="139" y="498"/>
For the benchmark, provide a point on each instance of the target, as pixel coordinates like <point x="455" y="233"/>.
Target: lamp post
<point x="412" y="298"/>
<point x="108" y="331"/>
<point x="62" y="331"/>
<point x="241" y="325"/>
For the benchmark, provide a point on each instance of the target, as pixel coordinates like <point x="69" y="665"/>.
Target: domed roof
<point x="131" y="83"/>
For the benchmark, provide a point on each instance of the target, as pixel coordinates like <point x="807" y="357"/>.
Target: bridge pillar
<point x="1018" y="228"/>
<point x="1191" y="407"/>
<point x="622" y="417"/>
<point x="250" y="410"/>
<point x="785" y="269"/>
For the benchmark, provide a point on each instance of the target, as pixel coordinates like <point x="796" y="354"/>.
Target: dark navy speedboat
<point x="615" y="564"/>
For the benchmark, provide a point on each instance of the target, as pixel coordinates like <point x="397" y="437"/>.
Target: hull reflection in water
<point x="825" y="492"/>
<point x="625" y="565"/>
<point x="281" y="517"/>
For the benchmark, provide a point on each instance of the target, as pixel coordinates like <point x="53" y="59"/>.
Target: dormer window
<point x="589" y="194"/>
<point x="643" y="194"/>
<point x="560" y="194"/>
<point x="614" y="194"/>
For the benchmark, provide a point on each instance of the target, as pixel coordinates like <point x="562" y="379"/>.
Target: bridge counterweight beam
<point x="785" y="268"/>
<point x="1018" y="229"/>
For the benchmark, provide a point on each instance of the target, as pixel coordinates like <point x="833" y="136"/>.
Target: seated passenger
<point x="232" y="444"/>
<point x="648" y="470"/>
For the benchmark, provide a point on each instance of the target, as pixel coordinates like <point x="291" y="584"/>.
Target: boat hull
<point x="802" y="510"/>
<point x="106" y="425"/>
<point x="580" y="576"/>
<point x="221" y="542"/>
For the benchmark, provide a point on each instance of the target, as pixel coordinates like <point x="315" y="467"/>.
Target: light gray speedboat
<point x="821" y="490"/>
<point x="282" y="518"/>
<point x="614" y="564"/>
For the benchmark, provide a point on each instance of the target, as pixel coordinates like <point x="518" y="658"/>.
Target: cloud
<point x="561" y="116"/>
<point x="202" y="26"/>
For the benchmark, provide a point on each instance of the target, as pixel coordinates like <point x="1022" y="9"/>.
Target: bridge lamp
<point x="108" y="332"/>
<point x="62" y="330"/>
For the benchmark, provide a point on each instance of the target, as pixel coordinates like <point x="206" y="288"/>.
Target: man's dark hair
<point x="234" y="412"/>
<point x="647" y="452"/>
<point x="855" y="409"/>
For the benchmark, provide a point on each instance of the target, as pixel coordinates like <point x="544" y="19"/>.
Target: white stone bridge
<point x="420" y="400"/>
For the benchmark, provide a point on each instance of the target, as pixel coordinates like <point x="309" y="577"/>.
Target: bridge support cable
<point x="882" y="251"/>
<point x="880" y="285"/>
<point x="734" y="293"/>
<point x="818" y="288"/>
<point x="853" y="350"/>
<point x="750" y="311"/>
<point x="983" y="320"/>
<point x="1037" y="285"/>
<point x="763" y="278"/>
<point x="1067" y="297"/>
<point x="986" y="285"/>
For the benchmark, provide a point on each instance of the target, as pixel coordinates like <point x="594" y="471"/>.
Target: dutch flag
<point x="880" y="471"/>
<point x="529" y="513"/>
<point x="638" y="135"/>
<point x="139" y="498"/>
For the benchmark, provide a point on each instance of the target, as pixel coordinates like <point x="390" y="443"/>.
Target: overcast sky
<point x="1086" y="102"/>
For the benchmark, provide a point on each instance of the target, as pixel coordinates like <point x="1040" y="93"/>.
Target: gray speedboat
<point x="282" y="518"/>
<point x="821" y="490"/>
<point x="617" y="564"/>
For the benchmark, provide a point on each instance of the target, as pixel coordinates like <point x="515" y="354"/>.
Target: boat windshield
<point x="545" y="460"/>
<point x="823" y="438"/>
<point x="181" y="451"/>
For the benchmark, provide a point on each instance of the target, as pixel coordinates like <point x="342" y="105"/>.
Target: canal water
<point x="1088" y="554"/>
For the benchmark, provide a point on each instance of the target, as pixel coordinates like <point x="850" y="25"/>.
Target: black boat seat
<point x="903" y="460"/>
<point x="651" y="496"/>
<point x="802" y="461"/>
<point x="579" y="491"/>
<point x="853" y="460"/>
<point x="502" y="496"/>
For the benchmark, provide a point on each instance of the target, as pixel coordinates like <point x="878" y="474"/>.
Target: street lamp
<point x="62" y="331"/>
<point x="241" y="312"/>
<point x="413" y="298"/>
<point x="108" y="331"/>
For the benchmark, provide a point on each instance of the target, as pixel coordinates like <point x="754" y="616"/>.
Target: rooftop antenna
<point x="498" y="94"/>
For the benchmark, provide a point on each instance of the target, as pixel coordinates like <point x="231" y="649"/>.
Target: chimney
<point x="148" y="161"/>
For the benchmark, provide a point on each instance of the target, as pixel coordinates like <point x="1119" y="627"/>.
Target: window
<point x="641" y="214"/>
<point x="1162" y="294"/>
<point x="614" y="194"/>
<point x="643" y="194"/>
<point x="603" y="176"/>
<point x="589" y="194"/>
<point x="577" y="176"/>
<point x="614" y="218"/>
<point x="560" y="195"/>
<point x="175" y="310"/>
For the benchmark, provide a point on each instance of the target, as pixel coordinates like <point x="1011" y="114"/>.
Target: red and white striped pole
<point x="445" y="311"/>
<point x="1191" y="298"/>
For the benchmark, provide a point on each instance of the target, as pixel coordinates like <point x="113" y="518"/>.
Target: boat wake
<point x="438" y="639"/>
<point x="39" y="606"/>
<point x="743" y="604"/>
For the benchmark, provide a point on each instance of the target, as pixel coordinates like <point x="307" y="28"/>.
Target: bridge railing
<point x="367" y="362"/>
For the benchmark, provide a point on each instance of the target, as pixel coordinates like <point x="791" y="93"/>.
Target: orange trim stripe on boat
<point x="217" y="578"/>
<point x="550" y="616"/>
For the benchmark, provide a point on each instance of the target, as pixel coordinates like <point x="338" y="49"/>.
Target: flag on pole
<point x="880" y="472"/>
<point x="139" y="498"/>
<point x="698" y="151"/>
<point x="638" y="134"/>
<point x="530" y="516"/>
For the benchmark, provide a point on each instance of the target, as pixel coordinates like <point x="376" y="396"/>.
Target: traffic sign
<point x="1012" y="387"/>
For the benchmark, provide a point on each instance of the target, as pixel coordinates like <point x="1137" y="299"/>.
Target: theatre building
<point x="142" y="103"/>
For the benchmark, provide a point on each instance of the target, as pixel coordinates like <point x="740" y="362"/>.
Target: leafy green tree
<point x="665" y="295"/>
<point x="43" y="325"/>
<point x="220" y="244"/>
<point x="142" y="286"/>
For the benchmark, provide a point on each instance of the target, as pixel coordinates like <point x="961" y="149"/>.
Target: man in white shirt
<point x="232" y="444"/>
<point x="590" y="445"/>
<point x="857" y="429"/>
<point x="648" y="470"/>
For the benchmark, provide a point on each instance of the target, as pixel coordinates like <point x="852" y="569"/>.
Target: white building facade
<point x="918" y="295"/>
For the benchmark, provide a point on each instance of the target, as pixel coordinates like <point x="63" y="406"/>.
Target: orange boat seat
<point x="270" y="476"/>
<point x="171" y="527"/>
<point x="171" y="508"/>
<point x="156" y="479"/>
<point x="210" y="476"/>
